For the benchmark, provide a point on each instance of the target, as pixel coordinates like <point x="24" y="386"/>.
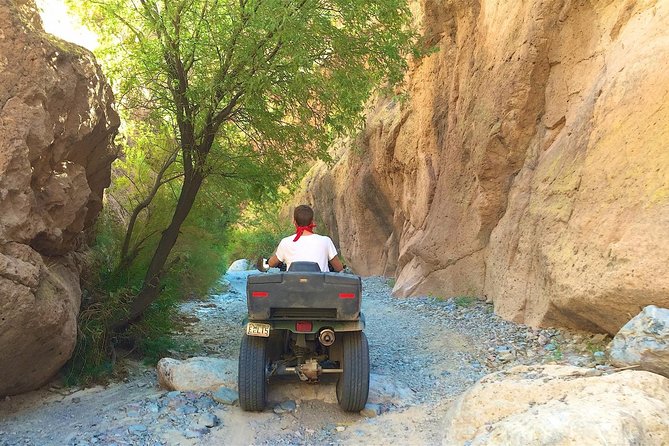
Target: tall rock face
<point x="529" y="165"/>
<point x="56" y="130"/>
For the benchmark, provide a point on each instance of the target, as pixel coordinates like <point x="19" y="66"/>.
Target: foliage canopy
<point x="270" y="80"/>
<point x="247" y="90"/>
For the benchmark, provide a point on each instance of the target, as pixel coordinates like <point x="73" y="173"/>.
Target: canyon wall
<point x="529" y="164"/>
<point x="56" y="149"/>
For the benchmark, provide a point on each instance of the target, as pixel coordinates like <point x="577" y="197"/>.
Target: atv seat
<point x="304" y="267"/>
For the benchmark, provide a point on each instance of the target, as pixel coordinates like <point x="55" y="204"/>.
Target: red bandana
<point x="299" y="230"/>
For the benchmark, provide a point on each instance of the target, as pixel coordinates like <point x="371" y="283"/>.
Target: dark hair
<point x="303" y="215"/>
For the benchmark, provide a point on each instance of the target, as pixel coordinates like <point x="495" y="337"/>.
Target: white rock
<point x="197" y="374"/>
<point x="644" y="341"/>
<point x="239" y="265"/>
<point x="561" y="405"/>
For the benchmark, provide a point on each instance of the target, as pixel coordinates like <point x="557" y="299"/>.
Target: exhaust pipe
<point x="326" y="337"/>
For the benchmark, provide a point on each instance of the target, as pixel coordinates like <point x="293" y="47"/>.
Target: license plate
<point x="257" y="329"/>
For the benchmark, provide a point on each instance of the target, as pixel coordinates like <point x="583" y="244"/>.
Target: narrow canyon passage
<point x="424" y="351"/>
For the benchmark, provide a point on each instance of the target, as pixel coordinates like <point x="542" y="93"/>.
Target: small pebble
<point x="191" y="433"/>
<point x="137" y="428"/>
<point x="225" y="395"/>
<point x="208" y="420"/>
<point x="370" y="410"/>
<point x="285" y="407"/>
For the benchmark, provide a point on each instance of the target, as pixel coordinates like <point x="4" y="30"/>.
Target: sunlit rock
<point x="197" y="374"/>
<point x="561" y="405"/>
<point x="528" y="164"/>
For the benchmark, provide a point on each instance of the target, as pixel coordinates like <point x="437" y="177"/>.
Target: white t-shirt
<point x="308" y="248"/>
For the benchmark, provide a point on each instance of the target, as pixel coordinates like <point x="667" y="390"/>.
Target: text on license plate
<point x="257" y="329"/>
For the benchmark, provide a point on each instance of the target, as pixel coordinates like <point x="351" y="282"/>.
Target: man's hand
<point x="273" y="261"/>
<point x="336" y="264"/>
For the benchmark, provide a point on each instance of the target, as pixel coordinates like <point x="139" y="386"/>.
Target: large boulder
<point x="644" y="342"/>
<point x="529" y="164"/>
<point x="239" y="265"/>
<point x="56" y="130"/>
<point x="561" y="405"/>
<point x="197" y="374"/>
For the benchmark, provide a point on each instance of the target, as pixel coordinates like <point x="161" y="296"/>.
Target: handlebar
<point x="261" y="265"/>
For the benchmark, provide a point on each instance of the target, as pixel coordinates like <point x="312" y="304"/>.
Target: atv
<point x="305" y="323"/>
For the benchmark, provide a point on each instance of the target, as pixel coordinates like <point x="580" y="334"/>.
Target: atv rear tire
<point x="353" y="383"/>
<point x="252" y="376"/>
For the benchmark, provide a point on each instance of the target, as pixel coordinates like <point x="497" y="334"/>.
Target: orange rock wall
<point x="530" y="164"/>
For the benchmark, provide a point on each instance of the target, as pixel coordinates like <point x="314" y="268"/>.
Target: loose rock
<point x="285" y="407"/>
<point x="137" y="428"/>
<point x="644" y="341"/>
<point x="208" y="420"/>
<point x="198" y="373"/>
<point x="225" y="395"/>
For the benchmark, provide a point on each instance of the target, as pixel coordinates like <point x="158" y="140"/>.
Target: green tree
<point x="250" y="89"/>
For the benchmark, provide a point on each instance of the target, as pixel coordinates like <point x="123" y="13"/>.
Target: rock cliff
<point x="56" y="149"/>
<point x="529" y="164"/>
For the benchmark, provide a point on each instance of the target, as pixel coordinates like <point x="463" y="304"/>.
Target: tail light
<point x="259" y="294"/>
<point x="347" y="295"/>
<point x="303" y="326"/>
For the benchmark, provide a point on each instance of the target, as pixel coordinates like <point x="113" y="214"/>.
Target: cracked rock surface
<point x="56" y="130"/>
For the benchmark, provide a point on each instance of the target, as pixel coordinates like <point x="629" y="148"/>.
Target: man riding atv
<point x="305" y="246"/>
<point x="305" y="322"/>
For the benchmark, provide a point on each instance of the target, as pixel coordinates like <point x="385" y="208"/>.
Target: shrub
<point x="464" y="301"/>
<point x="196" y="264"/>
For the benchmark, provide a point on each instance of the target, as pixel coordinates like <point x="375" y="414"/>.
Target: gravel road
<point x="424" y="352"/>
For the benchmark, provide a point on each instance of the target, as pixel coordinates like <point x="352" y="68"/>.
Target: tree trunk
<point x="151" y="288"/>
<point x="124" y="259"/>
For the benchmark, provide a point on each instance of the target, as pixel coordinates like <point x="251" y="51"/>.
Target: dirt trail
<point x="423" y="351"/>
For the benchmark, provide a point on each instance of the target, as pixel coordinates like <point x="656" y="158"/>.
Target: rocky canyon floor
<point x="424" y="352"/>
